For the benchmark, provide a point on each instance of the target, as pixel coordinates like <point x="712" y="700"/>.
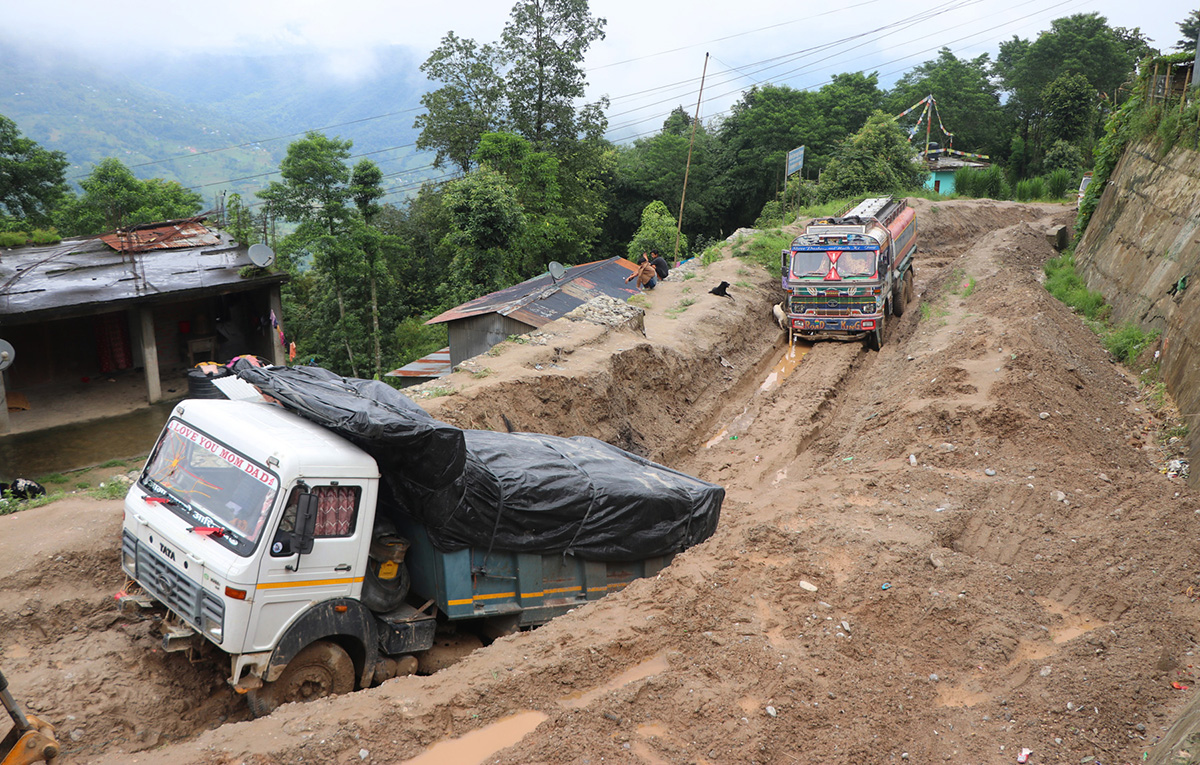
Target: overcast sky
<point x="650" y="61"/>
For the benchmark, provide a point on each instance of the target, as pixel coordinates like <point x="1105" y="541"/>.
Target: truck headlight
<point x="212" y="628"/>
<point x="129" y="562"/>
<point x="212" y="617"/>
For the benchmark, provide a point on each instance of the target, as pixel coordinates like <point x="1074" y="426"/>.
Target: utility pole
<point x="688" y="168"/>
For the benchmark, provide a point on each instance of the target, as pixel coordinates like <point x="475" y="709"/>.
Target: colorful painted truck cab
<point x="844" y="274"/>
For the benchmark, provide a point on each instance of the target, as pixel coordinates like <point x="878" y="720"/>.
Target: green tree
<point x="469" y="103"/>
<point x="656" y="234"/>
<point x="545" y="41"/>
<point x="316" y="193"/>
<point x="418" y="230"/>
<point x="113" y="198"/>
<point x="1070" y="108"/>
<point x="485" y="218"/>
<point x="1081" y="44"/>
<point x="240" y="221"/>
<point x="366" y="190"/>
<point x="31" y="178"/>
<point x="846" y="102"/>
<point x="1188" y="28"/>
<point x="535" y="179"/>
<point x="654" y="169"/>
<point x="968" y="104"/>
<point x="769" y="121"/>
<point x="761" y="128"/>
<point x="876" y="160"/>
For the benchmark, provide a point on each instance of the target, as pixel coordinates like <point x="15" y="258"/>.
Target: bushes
<point x="989" y="182"/>
<point x="1128" y="341"/>
<point x="1030" y="189"/>
<point x="1058" y="183"/>
<point x="38" y="236"/>
<point x="1125" y="342"/>
<point x="1063" y="283"/>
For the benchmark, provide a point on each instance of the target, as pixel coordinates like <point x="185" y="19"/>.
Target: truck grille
<point x="833" y="304"/>
<point x="173" y="589"/>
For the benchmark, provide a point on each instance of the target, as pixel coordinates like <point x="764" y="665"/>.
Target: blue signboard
<point x="795" y="161"/>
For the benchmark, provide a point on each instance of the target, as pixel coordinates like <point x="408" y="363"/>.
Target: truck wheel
<point x="322" y="669"/>
<point x="902" y="296"/>
<point x="384" y="595"/>
<point x="875" y="337"/>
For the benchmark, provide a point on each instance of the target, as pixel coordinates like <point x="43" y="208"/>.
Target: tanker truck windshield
<point x="211" y="486"/>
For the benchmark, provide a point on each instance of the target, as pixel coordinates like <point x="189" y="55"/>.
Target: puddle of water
<point x="785" y="366"/>
<point x="475" y="747"/>
<point x="710" y="443"/>
<point x="82" y="444"/>
<point x="645" y="669"/>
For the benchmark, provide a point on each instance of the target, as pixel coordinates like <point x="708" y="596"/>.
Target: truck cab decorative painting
<point x="844" y="274"/>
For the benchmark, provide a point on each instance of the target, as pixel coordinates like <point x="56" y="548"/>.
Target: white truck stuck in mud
<point x="320" y="536"/>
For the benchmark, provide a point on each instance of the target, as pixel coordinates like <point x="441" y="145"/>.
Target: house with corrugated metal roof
<point x="477" y="325"/>
<point x="156" y="298"/>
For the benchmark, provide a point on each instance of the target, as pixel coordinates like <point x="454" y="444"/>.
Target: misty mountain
<point x="178" y="118"/>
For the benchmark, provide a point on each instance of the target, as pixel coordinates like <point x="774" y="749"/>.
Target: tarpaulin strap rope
<point x="591" y="503"/>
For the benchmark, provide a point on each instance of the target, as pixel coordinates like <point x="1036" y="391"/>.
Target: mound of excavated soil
<point x="946" y="551"/>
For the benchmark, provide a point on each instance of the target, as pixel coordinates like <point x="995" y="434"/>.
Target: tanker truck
<point x="845" y="274"/>
<point x="320" y="531"/>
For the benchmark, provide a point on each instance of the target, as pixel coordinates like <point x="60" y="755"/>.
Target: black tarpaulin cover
<point x="517" y="492"/>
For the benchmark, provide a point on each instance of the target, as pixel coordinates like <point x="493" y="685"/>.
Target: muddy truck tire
<point x="322" y="669"/>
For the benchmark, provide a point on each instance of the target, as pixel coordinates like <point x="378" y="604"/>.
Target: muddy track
<point x="1053" y="580"/>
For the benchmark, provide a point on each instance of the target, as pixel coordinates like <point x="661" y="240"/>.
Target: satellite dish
<point x="557" y="271"/>
<point x="7" y="354"/>
<point x="261" y="255"/>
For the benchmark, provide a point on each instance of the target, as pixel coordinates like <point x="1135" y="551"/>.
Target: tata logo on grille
<point x="166" y="551"/>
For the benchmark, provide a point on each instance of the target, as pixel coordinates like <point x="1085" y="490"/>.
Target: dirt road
<point x="948" y="551"/>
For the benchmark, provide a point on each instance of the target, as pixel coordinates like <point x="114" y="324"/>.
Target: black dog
<point x="721" y="289"/>
<point x="22" y="488"/>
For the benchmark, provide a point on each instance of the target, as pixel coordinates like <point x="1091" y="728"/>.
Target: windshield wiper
<point x="159" y="495"/>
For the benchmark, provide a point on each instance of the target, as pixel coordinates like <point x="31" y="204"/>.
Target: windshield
<point x="856" y="263"/>
<point x="211" y="485"/>
<point x="846" y="264"/>
<point x="809" y="263"/>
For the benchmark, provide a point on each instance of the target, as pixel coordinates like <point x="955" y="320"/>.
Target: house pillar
<point x="150" y="355"/>
<point x="278" y="352"/>
<point x="4" y="423"/>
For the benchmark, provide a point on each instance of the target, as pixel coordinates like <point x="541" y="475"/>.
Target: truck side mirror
<point x="306" y="524"/>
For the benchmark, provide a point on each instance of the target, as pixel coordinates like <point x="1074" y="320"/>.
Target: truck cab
<point x="211" y="528"/>
<point x="266" y="535"/>
<point x="845" y="274"/>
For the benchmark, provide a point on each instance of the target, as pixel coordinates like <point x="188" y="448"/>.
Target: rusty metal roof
<point x="541" y="300"/>
<point x="86" y="276"/>
<point x="436" y="364"/>
<point x="168" y="235"/>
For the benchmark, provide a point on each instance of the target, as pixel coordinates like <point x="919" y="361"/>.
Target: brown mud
<point x="947" y="551"/>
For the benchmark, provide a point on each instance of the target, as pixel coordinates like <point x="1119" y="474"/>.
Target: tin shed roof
<point x="87" y="276"/>
<point x="436" y="364"/>
<point x="541" y="300"/>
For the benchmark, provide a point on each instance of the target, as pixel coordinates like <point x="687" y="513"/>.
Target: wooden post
<point x="1152" y="84"/>
<point x="278" y="352"/>
<point x="1187" y="79"/>
<point x="150" y="355"/>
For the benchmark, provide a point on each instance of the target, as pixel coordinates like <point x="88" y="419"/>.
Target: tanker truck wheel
<point x="322" y="669"/>
<point x="903" y="296"/>
<point x="875" y="337"/>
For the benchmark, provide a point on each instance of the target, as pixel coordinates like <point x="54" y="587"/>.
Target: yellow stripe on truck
<point x="493" y="596"/>
<point x="310" y="583"/>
